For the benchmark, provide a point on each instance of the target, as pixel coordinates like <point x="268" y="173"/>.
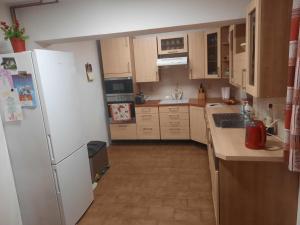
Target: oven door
<point x="118" y="86"/>
<point x="132" y="109"/>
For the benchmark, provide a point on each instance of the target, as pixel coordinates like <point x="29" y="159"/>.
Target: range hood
<point x="174" y="61"/>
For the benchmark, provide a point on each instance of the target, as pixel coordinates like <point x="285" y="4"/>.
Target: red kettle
<point x="256" y="135"/>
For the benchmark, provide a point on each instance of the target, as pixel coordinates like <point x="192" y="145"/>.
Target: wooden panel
<point x="214" y="175"/>
<point x="171" y="133"/>
<point x="239" y="69"/>
<point x="271" y="43"/>
<point x="169" y="117"/>
<point x="148" y="132"/>
<point x="145" y="55"/>
<point x="196" y="55"/>
<point x="274" y="43"/>
<point x="151" y="110"/>
<point x="261" y="193"/>
<point x="123" y="131"/>
<point x="170" y="36"/>
<point x="198" y="124"/>
<point x="173" y="109"/>
<point x="116" y="57"/>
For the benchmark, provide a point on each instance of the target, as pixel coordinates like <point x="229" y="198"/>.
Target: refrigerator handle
<point x="56" y="181"/>
<point x="50" y="148"/>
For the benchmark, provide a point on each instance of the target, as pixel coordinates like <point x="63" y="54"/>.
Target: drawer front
<point x="147" y="119"/>
<point x="151" y="110"/>
<point x="174" y="123"/>
<point x="173" y="109"/>
<point x="148" y="132"/>
<point x="123" y="131"/>
<point x="168" y="117"/>
<point x="169" y="133"/>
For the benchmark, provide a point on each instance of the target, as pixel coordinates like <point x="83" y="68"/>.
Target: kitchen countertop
<point x="192" y="102"/>
<point x="229" y="143"/>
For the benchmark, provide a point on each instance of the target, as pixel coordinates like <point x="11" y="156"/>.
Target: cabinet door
<point x="116" y="57"/>
<point x="252" y="49"/>
<point x="198" y="124"/>
<point x="196" y="55"/>
<point x="145" y="55"/>
<point x="212" y="54"/>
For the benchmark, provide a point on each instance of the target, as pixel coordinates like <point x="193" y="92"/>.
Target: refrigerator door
<point x="57" y="80"/>
<point x="74" y="186"/>
<point x="29" y="155"/>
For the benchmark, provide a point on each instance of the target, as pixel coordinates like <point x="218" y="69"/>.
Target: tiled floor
<point x="154" y="184"/>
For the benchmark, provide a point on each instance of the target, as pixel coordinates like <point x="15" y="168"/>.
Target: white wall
<point x="169" y="78"/>
<point x="91" y="92"/>
<point x="9" y="207"/>
<point x="77" y="18"/>
<point x="5" y="46"/>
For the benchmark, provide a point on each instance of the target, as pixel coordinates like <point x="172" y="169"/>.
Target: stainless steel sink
<point x="228" y="120"/>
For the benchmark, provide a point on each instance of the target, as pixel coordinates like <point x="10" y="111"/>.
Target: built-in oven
<point x="118" y="85"/>
<point x="123" y="99"/>
<point x="120" y="99"/>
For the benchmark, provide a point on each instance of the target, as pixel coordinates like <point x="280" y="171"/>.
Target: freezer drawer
<point x="74" y="186"/>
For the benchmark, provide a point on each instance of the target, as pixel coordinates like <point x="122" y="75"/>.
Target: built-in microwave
<point x="118" y="86"/>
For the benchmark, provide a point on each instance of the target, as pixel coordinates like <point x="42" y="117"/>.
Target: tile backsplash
<point x="261" y="106"/>
<point x="170" y="77"/>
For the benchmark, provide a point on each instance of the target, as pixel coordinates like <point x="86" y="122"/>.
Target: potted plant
<point x="15" y="34"/>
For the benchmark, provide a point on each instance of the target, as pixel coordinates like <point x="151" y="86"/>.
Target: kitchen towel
<point x="120" y="112"/>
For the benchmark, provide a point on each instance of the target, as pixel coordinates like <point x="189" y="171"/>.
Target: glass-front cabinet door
<point x="251" y="49"/>
<point x="212" y="54"/>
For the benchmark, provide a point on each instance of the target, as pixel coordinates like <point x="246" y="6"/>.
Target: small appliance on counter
<point x="256" y="135"/>
<point x="140" y="98"/>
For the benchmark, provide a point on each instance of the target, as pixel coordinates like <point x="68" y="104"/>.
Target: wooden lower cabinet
<point x="248" y="193"/>
<point x="147" y="121"/>
<point x="123" y="131"/>
<point x="260" y="193"/>
<point x="174" y="122"/>
<point x="197" y="124"/>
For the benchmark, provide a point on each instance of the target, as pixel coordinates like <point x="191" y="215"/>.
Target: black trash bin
<point x="98" y="159"/>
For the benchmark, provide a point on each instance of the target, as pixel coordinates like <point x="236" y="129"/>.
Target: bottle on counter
<point x="269" y="120"/>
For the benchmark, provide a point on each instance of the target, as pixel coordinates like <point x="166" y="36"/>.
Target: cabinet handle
<point x="145" y="110"/>
<point x="128" y="65"/>
<point x="122" y="126"/>
<point x="50" y="145"/>
<point x="219" y="72"/>
<point x="156" y="73"/>
<point x="171" y="52"/>
<point x="243" y="79"/>
<point x="173" y="109"/>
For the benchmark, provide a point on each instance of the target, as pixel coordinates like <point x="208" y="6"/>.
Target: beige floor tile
<point x="154" y="184"/>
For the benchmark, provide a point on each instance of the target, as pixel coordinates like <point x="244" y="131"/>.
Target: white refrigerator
<point x="47" y="148"/>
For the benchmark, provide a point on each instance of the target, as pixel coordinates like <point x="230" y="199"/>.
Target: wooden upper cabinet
<point x="145" y="55"/>
<point x="212" y="54"/>
<point x="172" y="44"/>
<point x="116" y="57"/>
<point x="267" y="38"/>
<point x="237" y="55"/>
<point x="196" y="55"/>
